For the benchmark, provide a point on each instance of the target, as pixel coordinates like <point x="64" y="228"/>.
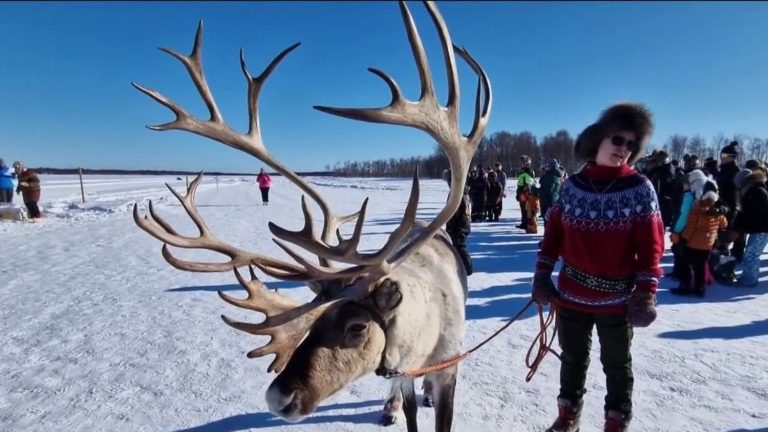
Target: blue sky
<point x="66" y="69"/>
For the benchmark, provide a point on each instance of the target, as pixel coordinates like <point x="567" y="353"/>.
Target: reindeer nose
<point x="282" y="405"/>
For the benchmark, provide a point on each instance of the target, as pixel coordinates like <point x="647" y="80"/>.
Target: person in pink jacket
<point x="265" y="182"/>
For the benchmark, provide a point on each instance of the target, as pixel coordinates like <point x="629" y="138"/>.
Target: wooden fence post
<point x="82" y="190"/>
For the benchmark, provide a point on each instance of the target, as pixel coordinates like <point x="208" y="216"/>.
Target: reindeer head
<point x="322" y="345"/>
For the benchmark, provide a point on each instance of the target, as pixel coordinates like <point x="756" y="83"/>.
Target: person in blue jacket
<point x="6" y="182"/>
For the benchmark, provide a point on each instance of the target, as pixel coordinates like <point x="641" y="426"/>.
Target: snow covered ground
<point x="99" y="333"/>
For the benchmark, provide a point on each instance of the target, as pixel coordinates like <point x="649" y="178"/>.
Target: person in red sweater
<point x="607" y="228"/>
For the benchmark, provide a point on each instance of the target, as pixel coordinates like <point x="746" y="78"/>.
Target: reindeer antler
<point x="287" y="321"/>
<point x="426" y="114"/>
<point x="251" y="143"/>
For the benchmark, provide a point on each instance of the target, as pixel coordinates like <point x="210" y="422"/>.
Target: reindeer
<point x="398" y="308"/>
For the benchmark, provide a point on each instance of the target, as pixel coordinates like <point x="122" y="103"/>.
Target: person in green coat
<point x="549" y="186"/>
<point x="525" y="180"/>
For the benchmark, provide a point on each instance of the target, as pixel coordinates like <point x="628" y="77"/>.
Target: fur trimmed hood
<point x="755" y="178"/>
<point x="702" y="186"/>
<point x="627" y="116"/>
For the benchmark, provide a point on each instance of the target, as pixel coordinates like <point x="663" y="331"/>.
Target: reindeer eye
<point x="356" y="328"/>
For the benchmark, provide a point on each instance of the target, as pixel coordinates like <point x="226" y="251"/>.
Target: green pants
<point x="575" y="337"/>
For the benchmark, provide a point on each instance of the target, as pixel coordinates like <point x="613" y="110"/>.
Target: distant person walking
<point x="265" y="182"/>
<point x="6" y="182"/>
<point x="29" y="188"/>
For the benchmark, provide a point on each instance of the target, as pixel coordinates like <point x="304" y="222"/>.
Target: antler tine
<point x="344" y="251"/>
<point x="482" y="115"/>
<point x="427" y="115"/>
<point x="161" y="230"/>
<point x="286" y="321"/>
<point x="218" y="130"/>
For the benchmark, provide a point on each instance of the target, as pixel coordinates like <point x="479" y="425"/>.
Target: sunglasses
<point x="620" y="141"/>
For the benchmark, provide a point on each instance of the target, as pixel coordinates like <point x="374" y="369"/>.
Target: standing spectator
<point x="495" y="191"/>
<point x="478" y="192"/>
<point x="525" y="179"/>
<point x="695" y="177"/>
<point x="459" y="226"/>
<point x="29" y="188"/>
<point x="549" y="186"/>
<point x="502" y="177"/>
<point x="265" y="182"/>
<point x="6" y="182"/>
<point x="662" y="177"/>
<point x="753" y="220"/>
<point x="607" y="228"/>
<point x="731" y="244"/>
<point x="700" y="234"/>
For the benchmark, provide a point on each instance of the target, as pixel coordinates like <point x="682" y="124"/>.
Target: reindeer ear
<point x="387" y="296"/>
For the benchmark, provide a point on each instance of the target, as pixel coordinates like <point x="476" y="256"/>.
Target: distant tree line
<point x="507" y="148"/>
<point x="750" y="147"/>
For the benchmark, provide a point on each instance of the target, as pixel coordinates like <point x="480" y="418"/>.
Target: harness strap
<point x="544" y="340"/>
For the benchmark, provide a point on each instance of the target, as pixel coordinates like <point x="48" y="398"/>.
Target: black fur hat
<point x="626" y="116"/>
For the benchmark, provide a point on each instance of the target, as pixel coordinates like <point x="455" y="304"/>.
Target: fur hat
<point x="625" y="116"/>
<point x="740" y="176"/>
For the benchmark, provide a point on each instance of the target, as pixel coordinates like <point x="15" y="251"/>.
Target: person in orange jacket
<point x="532" y="210"/>
<point x="705" y="220"/>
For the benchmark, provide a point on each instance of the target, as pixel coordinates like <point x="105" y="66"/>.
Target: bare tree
<point x="675" y="146"/>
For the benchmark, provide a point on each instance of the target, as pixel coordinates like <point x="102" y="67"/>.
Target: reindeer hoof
<point x="388" y="419"/>
<point x="427" y="401"/>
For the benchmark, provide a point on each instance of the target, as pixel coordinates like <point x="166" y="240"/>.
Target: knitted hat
<point x="626" y="116"/>
<point x="731" y="149"/>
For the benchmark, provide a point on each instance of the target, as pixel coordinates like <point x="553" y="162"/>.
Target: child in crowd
<point x="700" y="234"/>
<point x="532" y="210"/>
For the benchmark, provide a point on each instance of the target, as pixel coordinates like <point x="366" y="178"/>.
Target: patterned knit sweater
<point x="607" y="227"/>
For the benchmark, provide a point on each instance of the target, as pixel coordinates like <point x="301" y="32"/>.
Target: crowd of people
<point x="23" y="181"/>
<point x="716" y="215"/>
<point x="607" y="222"/>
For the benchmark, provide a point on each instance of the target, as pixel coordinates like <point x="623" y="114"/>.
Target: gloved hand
<point x="543" y="288"/>
<point x="641" y="309"/>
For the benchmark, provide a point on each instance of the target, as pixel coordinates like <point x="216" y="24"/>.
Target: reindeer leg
<point x="428" y="400"/>
<point x="446" y="388"/>
<point x="392" y="406"/>
<point x="409" y="405"/>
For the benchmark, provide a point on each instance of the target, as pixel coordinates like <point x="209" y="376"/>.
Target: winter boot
<point x="568" y="416"/>
<point x="617" y="421"/>
<point x="725" y="272"/>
